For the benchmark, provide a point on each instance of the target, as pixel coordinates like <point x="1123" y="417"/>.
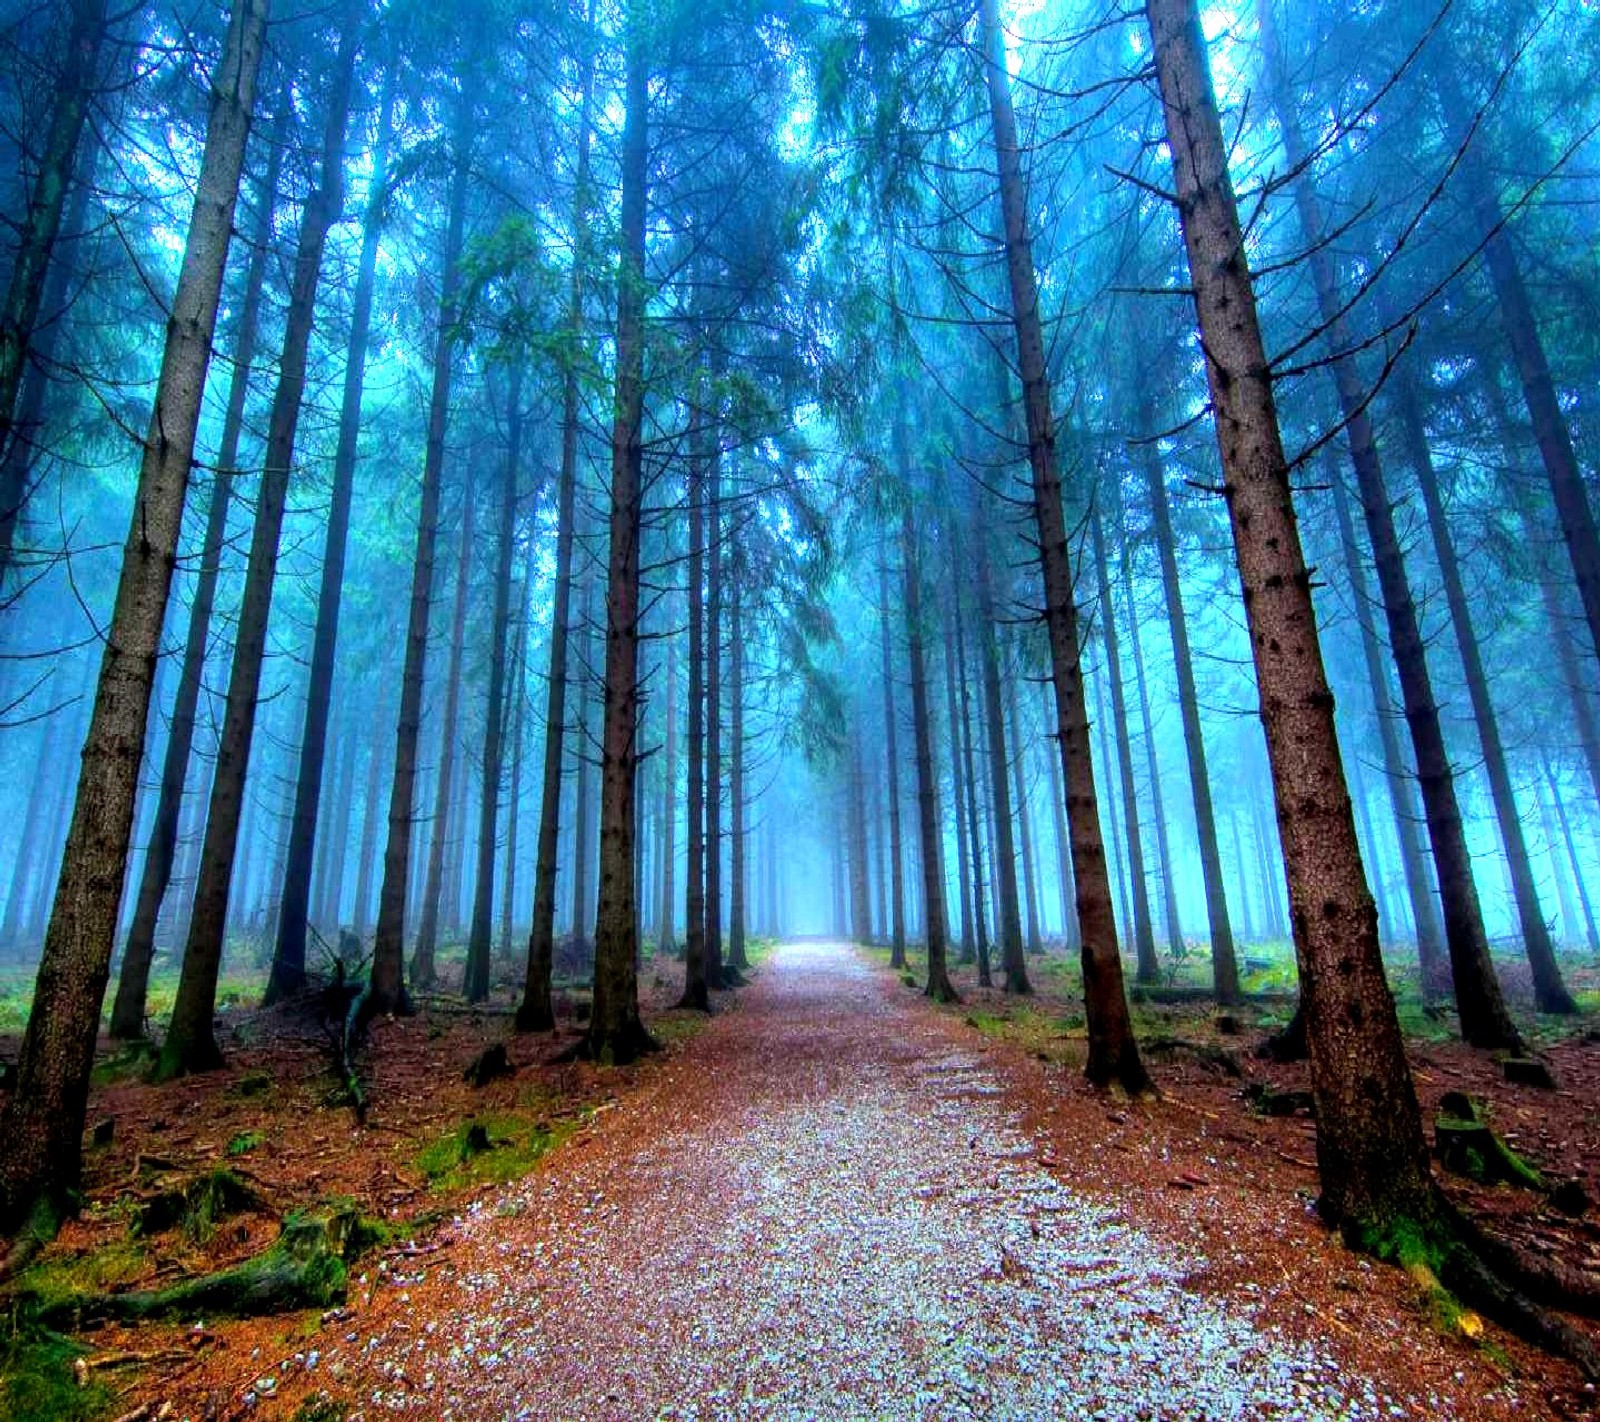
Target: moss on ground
<point x="491" y="1149"/>
<point x="37" y="1383"/>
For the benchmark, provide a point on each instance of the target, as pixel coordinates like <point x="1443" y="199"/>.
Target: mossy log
<point x="305" y="1267"/>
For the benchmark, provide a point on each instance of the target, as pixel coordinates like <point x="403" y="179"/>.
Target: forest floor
<point x="830" y="1199"/>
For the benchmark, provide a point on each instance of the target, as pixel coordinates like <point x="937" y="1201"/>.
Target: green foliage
<point x="245" y="1142"/>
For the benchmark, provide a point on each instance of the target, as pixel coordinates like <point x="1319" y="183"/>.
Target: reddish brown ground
<point x="836" y="1200"/>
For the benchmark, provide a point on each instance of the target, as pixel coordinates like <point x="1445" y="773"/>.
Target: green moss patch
<point x="494" y="1148"/>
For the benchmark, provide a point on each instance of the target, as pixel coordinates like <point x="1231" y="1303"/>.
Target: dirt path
<point x="826" y="1207"/>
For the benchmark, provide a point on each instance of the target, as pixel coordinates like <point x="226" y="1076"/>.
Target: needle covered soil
<point x="835" y="1200"/>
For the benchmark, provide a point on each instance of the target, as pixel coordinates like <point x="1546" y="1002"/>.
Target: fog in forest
<point x="502" y="503"/>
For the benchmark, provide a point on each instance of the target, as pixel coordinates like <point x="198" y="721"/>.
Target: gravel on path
<point x="824" y="1208"/>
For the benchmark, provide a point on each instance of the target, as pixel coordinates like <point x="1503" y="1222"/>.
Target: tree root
<point x="1453" y="1260"/>
<point x="43" y="1223"/>
<point x="304" y="1268"/>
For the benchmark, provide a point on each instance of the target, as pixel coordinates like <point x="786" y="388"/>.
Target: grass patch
<point x="1044" y="1035"/>
<point x="55" y="1280"/>
<point x="673" y="1029"/>
<point x="493" y="1149"/>
<point x="37" y="1382"/>
<point x="245" y="1142"/>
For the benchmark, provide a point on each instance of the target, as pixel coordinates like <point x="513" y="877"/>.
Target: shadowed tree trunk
<point x="616" y="1032"/>
<point x="1143" y="933"/>
<point x="516" y="703"/>
<point x="128" y="1009"/>
<point x="695" y="987"/>
<point x="713" y="723"/>
<point x="936" y="929"/>
<point x="1113" y="1054"/>
<point x="860" y="906"/>
<point x="980" y="926"/>
<point x="479" y="936"/>
<point x="289" y="954"/>
<point x="424" y="974"/>
<point x="1550" y="993"/>
<point x="1158" y="813"/>
<point x="582" y="831"/>
<point x="737" y="957"/>
<point x="36" y="237"/>
<point x="1484" y="1019"/>
<point x="958" y="790"/>
<point x="1224" y="968"/>
<point x="1019" y="774"/>
<point x="666" y="936"/>
<point x="895" y="883"/>
<point x="1004" y="854"/>
<point x="42" y="1123"/>
<point x="190" y="1044"/>
<point x="1371" y="1154"/>
<point x="1419" y="890"/>
<point x="386" y="992"/>
<point x="534" y="1012"/>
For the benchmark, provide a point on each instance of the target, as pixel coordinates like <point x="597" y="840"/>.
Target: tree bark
<point x="386" y="991"/>
<point x="190" y="1044"/>
<point x="288" y="976"/>
<point x="696" y="988"/>
<point x="1008" y="929"/>
<point x="1225" y="972"/>
<point x="666" y="936"/>
<point x="738" y="959"/>
<point x="1371" y="1154"/>
<point x="128" y="1008"/>
<point x="517" y="701"/>
<point x="42" y="1123"/>
<point x="1169" y="889"/>
<point x="1143" y="932"/>
<point x="935" y="923"/>
<point x="958" y="789"/>
<point x="479" y="937"/>
<point x="1113" y="1054"/>
<point x="895" y="879"/>
<point x="424" y="973"/>
<point x="713" y="724"/>
<point x="1484" y="1019"/>
<point x="1419" y="890"/>
<point x="616" y="1032"/>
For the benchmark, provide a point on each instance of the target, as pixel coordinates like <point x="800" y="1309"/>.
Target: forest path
<point x="824" y="1207"/>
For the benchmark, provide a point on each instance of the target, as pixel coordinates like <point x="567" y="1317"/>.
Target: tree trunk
<point x="128" y="1009"/>
<point x="288" y="975"/>
<point x="1591" y="934"/>
<point x="860" y="906"/>
<point x="479" y="936"/>
<point x="1419" y="890"/>
<point x="582" y="830"/>
<point x="895" y="875"/>
<point x="666" y="936"/>
<point x="1484" y="1019"/>
<point x="1225" y="972"/>
<point x="738" y="959"/>
<point x="1143" y="933"/>
<point x="361" y="915"/>
<point x="936" y="930"/>
<point x="696" y="987"/>
<point x="1549" y="992"/>
<point x="1019" y="774"/>
<point x="1371" y="1154"/>
<point x="1169" y="889"/>
<point x="36" y="237"/>
<point x="1069" y="914"/>
<point x="616" y="1032"/>
<point x="975" y="836"/>
<point x="42" y="1123"/>
<point x="386" y="992"/>
<point x="1113" y="1054"/>
<point x="1004" y="854"/>
<point x="517" y="701"/>
<point x="714" y="556"/>
<point x="534" y="1013"/>
<point x="424" y="973"/>
<point x="958" y="789"/>
<point x="190" y="1045"/>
